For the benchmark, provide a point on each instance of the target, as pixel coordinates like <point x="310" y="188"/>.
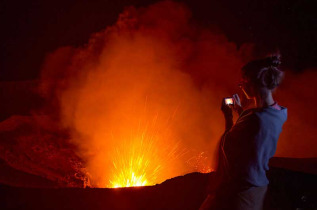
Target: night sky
<point x="31" y="29"/>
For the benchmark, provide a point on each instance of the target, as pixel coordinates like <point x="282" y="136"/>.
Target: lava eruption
<point x="136" y="113"/>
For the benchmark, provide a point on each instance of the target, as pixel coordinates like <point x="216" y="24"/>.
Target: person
<point x="246" y="146"/>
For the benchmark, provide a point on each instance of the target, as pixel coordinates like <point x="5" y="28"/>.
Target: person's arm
<point x="228" y="122"/>
<point x="227" y="111"/>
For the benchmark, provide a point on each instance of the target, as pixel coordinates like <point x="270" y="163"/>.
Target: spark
<point x="140" y="159"/>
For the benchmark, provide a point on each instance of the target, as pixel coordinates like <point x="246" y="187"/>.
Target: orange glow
<point x="201" y="163"/>
<point x="142" y="95"/>
<point x="137" y="163"/>
<point x="141" y="159"/>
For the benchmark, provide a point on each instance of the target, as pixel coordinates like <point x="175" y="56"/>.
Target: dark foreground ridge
<point x="288" y="189"/>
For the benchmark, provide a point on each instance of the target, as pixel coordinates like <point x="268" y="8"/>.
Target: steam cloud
<point x="154" y="72"/>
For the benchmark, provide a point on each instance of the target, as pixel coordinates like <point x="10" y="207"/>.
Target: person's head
<point x="260" y="77"/>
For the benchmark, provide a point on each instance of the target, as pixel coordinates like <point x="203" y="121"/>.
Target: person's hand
<point x="226" y="109"/>
<point x="227" y="112"/>
<point x="237" y="104"/>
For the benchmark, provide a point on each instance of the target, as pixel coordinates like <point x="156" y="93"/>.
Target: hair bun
<point x="264" y="73"/>
<point x="274" y="60"/>
<point x="271" y="75"/>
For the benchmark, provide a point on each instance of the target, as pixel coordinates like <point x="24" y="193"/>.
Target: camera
<point x="229" y="101"/>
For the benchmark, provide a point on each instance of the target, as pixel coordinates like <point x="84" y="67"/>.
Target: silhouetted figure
<point x="246" y="146"/>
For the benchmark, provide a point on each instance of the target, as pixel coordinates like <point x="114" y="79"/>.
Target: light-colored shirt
<point x="247" y="147"/>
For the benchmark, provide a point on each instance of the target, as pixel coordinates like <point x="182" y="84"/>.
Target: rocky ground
<point x="287" y="190"/>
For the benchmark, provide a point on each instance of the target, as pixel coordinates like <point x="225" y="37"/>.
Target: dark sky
<point x="31" y="29"/>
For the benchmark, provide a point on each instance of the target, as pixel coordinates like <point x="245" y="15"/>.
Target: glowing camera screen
<point x="229" y="101"/>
